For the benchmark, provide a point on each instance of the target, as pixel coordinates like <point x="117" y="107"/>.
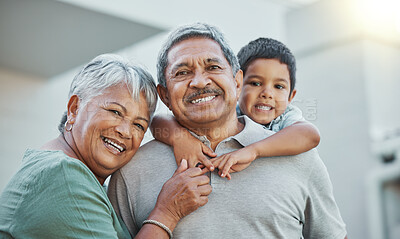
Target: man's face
<point x="201" y="90"/>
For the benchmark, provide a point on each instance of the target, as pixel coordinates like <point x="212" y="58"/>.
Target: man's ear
<point x="239" y="83"/>
<point x="163" y="93"/>
<point x="72" y="108"/>
<point x="291" y="96"/>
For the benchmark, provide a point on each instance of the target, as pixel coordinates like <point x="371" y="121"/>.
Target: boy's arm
<point x="295" y="139"/>
<point x="167" y="130"/>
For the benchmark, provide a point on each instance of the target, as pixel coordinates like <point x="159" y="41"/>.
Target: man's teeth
<point x="263" y="107"/>
<point x="115" y="145"/>
<point x="205" y="99"/>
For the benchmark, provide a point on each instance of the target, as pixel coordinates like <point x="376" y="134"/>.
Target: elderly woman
<point x="58" y="191"/>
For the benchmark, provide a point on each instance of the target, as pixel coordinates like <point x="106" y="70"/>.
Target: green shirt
<point x="55" y="196"/>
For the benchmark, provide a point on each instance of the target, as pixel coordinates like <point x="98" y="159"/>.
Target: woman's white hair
<point x="109" y="70"/>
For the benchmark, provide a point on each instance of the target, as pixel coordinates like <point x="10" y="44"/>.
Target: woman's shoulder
<point x="55" y="167"/>
<point x="52" y="176"/>
<point x="48" y="160"/>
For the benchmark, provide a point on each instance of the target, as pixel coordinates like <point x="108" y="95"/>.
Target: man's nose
<point x="200" y="80"/>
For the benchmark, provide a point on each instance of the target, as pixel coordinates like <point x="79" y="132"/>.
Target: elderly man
<point x="279" y="197"/>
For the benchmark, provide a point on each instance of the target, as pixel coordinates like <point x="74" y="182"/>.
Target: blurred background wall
<point x="348" y="56"/>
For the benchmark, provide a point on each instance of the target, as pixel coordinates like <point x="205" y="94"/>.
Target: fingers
<point x="227" y="166"/>
<point x="195" y="172"/>
<point x="222" y="163"/>
<point x="207" y="163"/>
<point x="204" y="190"/>
<point x="207" y="151"/>
<point x="203" y="200"/>
<point x="182" y="167"/>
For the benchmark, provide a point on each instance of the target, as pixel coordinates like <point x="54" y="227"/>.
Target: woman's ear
<point x="72" y="108"/>
<point x="163" y="93"/>
<point x="291" y="96"/>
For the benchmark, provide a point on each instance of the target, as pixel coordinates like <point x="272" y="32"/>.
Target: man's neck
<point x="217" y="131"/>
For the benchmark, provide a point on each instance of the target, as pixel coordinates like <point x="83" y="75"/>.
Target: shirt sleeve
<point x="322" y="216"/>
<point x="292" y="115"/>
<point x="66" y="202"/>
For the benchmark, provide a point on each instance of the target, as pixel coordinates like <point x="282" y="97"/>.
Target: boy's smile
<point x="266" y="90"/>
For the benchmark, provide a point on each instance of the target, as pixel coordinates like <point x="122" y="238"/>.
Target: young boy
<point x="268" y="88"/>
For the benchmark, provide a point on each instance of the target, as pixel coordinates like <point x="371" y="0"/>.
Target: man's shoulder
<point x="150" y="147"/>
<point x="149" y="157"/>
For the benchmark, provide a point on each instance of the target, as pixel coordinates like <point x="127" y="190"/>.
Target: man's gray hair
<point x="109" y="70"/>
<point x="191" y="31"/>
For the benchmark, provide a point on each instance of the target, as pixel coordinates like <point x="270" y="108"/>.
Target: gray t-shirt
<point x="276" y="197"/>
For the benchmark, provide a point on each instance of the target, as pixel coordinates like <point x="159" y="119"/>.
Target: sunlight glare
<point x="380" y="16"/>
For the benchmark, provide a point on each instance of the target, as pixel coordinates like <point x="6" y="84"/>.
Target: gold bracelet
<point x="157" y="223"/>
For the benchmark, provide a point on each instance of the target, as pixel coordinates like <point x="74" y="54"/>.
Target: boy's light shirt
<point x="291" y="115"/>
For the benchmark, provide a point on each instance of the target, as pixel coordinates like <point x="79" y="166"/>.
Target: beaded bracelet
<point x="157" y="223"/>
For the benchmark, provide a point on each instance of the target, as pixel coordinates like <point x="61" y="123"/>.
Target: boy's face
<point x="266" y="90"/>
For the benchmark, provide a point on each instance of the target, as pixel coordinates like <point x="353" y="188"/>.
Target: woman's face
<point x="108" y="131"/>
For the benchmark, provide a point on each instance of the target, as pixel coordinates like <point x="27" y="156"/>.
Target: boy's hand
<point x="194" y="152"/>
<point x="234" y="162"/>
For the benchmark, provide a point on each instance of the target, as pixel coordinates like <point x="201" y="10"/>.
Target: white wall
<point x="382" y="73"/>
<point x="20" y="114"/>
<point x="352" y="75"/>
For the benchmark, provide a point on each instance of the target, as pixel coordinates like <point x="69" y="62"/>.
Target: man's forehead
<point x="195" y="49"/>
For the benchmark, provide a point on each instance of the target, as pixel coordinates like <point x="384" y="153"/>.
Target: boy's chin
<point x="261" y="121"/>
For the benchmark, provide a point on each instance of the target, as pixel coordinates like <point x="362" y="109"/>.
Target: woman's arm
<point x="183" y="193"/>
<point x="167" y="130"/>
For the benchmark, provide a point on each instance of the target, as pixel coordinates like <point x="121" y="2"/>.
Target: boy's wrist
<point x="253" y="150"/>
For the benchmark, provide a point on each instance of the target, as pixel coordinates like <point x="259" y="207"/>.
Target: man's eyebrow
<point x="177" y="66"/>
<point x="213" y="60"/>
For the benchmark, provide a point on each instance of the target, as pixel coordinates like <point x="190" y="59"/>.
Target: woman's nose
<point x="124" y="129"/>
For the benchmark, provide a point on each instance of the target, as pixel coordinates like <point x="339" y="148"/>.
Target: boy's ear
<point x="72" y="108"/>
<point x="239" y="83"/>
<point x="291" y="96"/>
<point x="163" y="93"/>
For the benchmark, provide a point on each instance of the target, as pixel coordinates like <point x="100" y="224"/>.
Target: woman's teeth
<point x="115" y="145"/>
<point x="205" y="99"/>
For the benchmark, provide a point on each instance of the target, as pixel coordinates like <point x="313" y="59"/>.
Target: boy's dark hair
<point x="268" y="48"/>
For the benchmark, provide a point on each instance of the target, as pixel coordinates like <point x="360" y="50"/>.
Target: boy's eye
<point x="255" y="83"/>
<point x="279" y="86"/>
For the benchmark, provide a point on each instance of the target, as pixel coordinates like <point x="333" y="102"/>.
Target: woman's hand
<point x="183" y="193"/>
